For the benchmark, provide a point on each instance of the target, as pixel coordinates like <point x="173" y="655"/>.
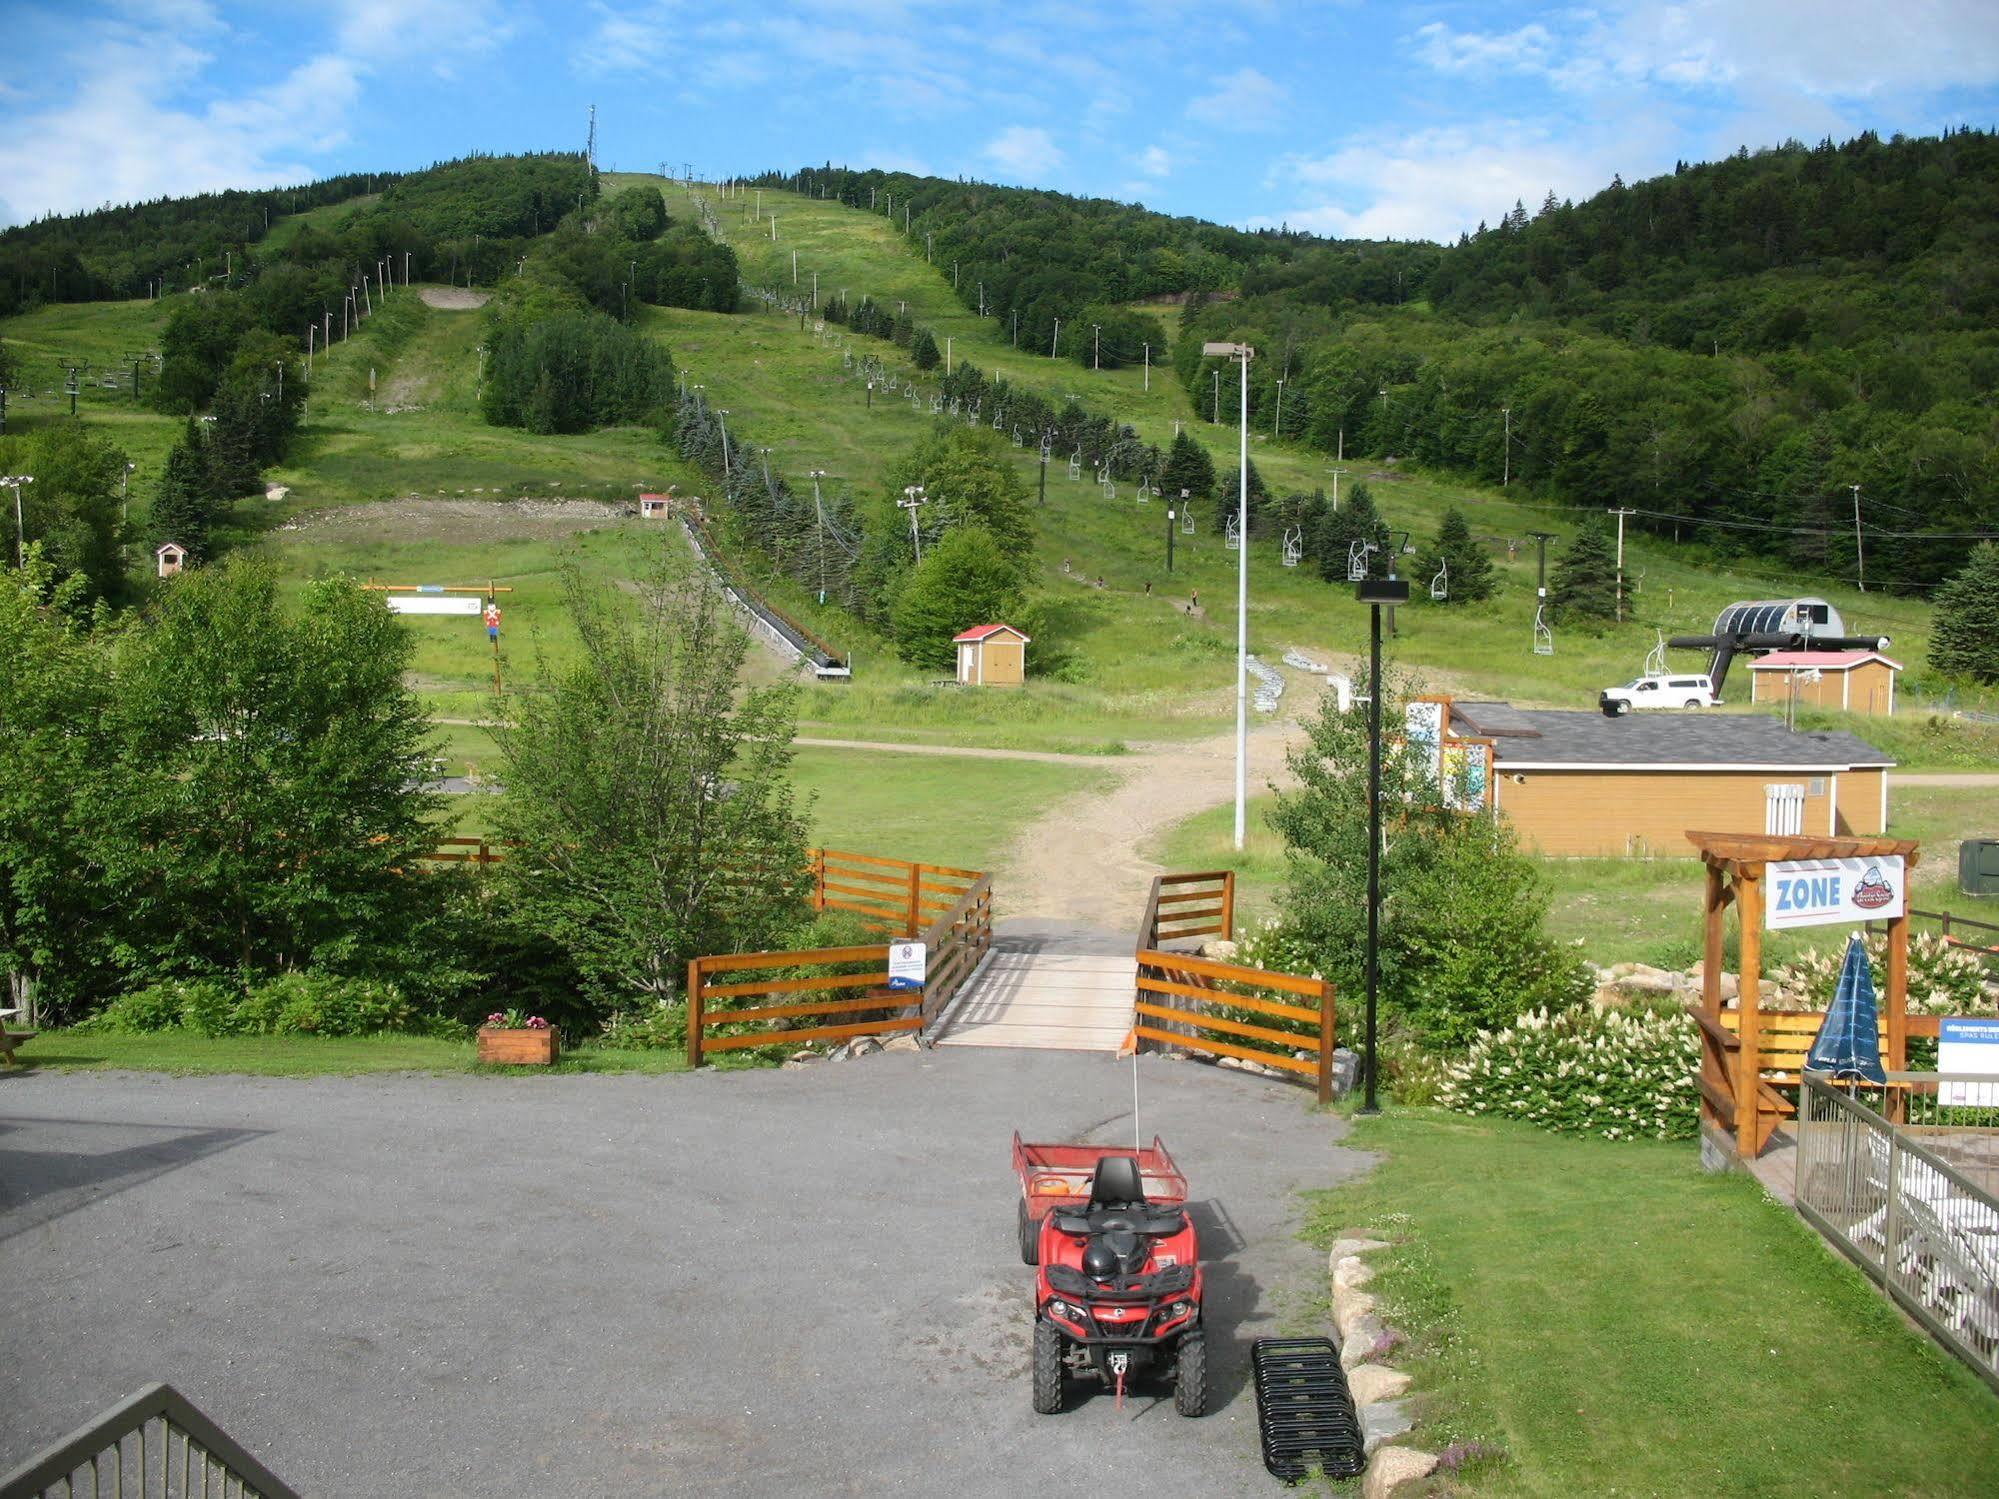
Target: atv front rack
<point x="1170" y="1281"/>
<point x="1304" y="1410"/>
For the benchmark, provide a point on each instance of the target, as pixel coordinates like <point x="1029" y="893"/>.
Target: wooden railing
<point x="479" y="851"/>
<point x="1984" y="938"/>
<point x="955" y="943"/>
<point x="1225" y="1009"/>
<point x="893" y="895"/>
<point x="155" y="1442"/>
<point x="714" y="1000"/>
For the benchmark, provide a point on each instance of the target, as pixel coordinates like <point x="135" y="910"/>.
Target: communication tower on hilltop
<point x="590" y="147"/>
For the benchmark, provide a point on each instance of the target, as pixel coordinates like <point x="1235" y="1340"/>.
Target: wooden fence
<point x="1202" y="1004"/>
<point x="822" y="1005"/>
<point x="894" y="895"/>
<point x="479" y="851"/>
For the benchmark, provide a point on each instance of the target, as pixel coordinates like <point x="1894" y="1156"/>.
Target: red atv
<point x="1119" y="1289"/>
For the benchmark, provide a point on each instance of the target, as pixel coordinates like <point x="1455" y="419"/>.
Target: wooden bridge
<point x="1038" y="987"/>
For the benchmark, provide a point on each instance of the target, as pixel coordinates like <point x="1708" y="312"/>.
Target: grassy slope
<point x="1695" y="1339"/>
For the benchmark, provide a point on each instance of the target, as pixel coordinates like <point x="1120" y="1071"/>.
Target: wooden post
<point x="1749" y="912"/>
<point x="1325" y="1040"/>
<point x="1713" y="932"/>
<point x="818" y="879"/>
<point x="1228" y="905"/>
<point x="1897" y="1100"/>
<point x="915" y="902"/>
<point x="693" y="1013"/>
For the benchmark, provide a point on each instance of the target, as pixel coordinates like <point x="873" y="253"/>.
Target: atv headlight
<point x="1060" y="1308"/>
<point x="1176" y="1310"/>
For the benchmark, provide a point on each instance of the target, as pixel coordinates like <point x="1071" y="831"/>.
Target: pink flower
<point x="536" y="1023"/>
<point x="496" y="1018"/>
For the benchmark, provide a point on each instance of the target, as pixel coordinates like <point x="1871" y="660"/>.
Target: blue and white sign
<point x="1821" y="892"/>
<point x="906" y="964"/>
<point x="1968" y="1046"/>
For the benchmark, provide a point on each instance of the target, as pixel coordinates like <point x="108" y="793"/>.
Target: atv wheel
<point x="1030" y="1236"/>
<point x="1190" y="1384"/>
<point x="1047" y="1367"/>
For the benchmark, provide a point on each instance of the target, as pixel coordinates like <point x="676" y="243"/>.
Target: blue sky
<point x="1348" y="118"/>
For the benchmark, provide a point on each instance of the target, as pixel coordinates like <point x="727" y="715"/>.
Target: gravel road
<point x="752" y="1283"/>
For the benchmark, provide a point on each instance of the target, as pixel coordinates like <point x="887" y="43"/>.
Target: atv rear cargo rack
<point x="1304" y="1410"/>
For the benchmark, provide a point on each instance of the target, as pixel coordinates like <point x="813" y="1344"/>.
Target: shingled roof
<point x="1529" y="739"/>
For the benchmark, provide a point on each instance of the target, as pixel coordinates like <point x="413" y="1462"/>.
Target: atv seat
<point x="1117" y="1184"/>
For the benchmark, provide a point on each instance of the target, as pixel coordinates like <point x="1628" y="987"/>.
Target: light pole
<point x="1506" y="452"/>
<point x="1242" y="353"/>
<point x="1096" y="346"/>
<point x="722" y="413"/>
<point x="913" y="497"/>
<point x="14" y="482"/>
<point x="1277" y="422"/>
<point x="1374" y="592"/>
<point x="124" y="514"/>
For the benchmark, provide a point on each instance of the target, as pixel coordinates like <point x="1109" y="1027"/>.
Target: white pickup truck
<point x="1658" y="692"/>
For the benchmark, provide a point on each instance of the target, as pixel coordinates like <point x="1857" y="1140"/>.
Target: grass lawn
<point x="307" y="1056"/>
<point x="1618" y="1322"/>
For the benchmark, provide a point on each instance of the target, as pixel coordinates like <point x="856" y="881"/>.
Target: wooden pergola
<point x="1739" y="1106"/>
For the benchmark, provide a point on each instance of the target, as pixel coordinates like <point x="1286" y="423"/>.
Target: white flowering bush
<point x="1617" y="1074"/>
<point x="1943" y="980"/>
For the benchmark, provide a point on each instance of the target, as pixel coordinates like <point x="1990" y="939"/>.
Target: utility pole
<point x="1277" y="422"/>
<point x="913" y="497"/>
<point x="1043" y="498"/>
<point x="1055" y="339"/>
<point x="1216" y="419"/>
<point x="1016" y="327"/>
<point x="1172" y="519"/>
<point x="1620" y="514"/>
<point x="1506" y="454"/>
<point x="1336" y="489"/>
<point x="14" y="482"/>
<point x="1148" y="369"/>
<point x="947" y="355"/>
<point x="723" y="420"/>
<point x="819" y="515"/>
<point x="1242" y="353"/>
<point x="1097" y="346"/>
<point x="1859" y="556"/>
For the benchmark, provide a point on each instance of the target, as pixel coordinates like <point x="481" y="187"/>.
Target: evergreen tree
<point x="1329" y="542"/>
<point x="1467" y="569"/>
<point x="184" y="503"/>
<point x="1188" y="467"/>
<point x="1964" y="640"/>
<point x="923" y="350"/>
<point x="1583" y="583"/>
<point x="1225" y="497"/>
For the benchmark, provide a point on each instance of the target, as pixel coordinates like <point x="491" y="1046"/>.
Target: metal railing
<point x="152" y="1443"/>
<point x="1914" y="1208"/>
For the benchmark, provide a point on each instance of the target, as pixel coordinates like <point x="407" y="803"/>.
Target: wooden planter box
<point x="522" y="1048"/>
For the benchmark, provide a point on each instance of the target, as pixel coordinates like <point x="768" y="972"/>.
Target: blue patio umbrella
<point x="1848" y="1044"/>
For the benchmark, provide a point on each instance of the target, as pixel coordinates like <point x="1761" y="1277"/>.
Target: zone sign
<point x="1821" y="892"/>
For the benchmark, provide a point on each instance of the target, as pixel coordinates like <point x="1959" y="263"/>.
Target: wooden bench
<point x="9" y="1039"/>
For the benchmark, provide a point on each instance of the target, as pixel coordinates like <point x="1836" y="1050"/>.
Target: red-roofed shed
<point x="1856" y="681"/>
<point x="991" y="656"/>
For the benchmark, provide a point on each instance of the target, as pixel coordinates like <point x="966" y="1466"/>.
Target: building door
<point x="1784" y="809"/>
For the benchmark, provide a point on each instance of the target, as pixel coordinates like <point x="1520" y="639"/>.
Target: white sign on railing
<point x="1819" y="892"/>
<point x="1968" y="1046"/>
<point x="906" y="964"/>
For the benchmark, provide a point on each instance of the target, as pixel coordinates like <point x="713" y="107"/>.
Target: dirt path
<point x="1081" y="861"/>
<point x="1943" y="778"/>
<point x="967" y="752"/>
<point x="456" y="298"/>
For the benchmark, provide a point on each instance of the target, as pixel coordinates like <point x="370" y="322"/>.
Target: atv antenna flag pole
<point x="1129" y="1047"/>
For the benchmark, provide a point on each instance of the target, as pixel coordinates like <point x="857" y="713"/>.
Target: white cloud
<point x="442" y="34"/>
<point x="1154" y="162"/>
<point x="1246" y="100"/>
<point x="625" y="41"/>
<point x="1524" y="51"/>
<point x="1438" y="183"/>
<point x="1025" y="152"/>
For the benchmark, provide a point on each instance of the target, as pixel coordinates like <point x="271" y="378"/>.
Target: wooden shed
<point x="1855" y="681"/>
<point x="655" y="506"/>
<point x="169" y="557"/>
<point x="991" y="656"/>
<point x="1581" y="784"/>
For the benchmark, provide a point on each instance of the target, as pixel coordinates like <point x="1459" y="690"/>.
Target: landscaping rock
<point x="1350" y="1309"/>
<point x="1346" y="1072"/>
<point x="1345" y="1246"/>
<point x="1390" y="1467"/>
<point x="1361" y="1340"/>
<point x="1375" y="1382"/>
<point x="902" y="1042"/>
<point x="1384" y="1421"/>
<point x="862" y="1046"/>
<point x="1351" y="1272"/>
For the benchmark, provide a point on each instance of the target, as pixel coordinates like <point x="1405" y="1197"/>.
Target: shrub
<point x="659" y="1027"/>
<point x="324" y="1004"/>
<point x="159" y="1007"/>
<point x="1943" y="980"/>
<point x="1621" y="1075"/>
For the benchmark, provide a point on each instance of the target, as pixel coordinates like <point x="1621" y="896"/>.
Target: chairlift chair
<point x="1655" y="659"/>
<point x="1186" y="520"/>
<point x="1294" y="545"/>
<point x="1144" y="492"/>
<point x="1440" y="586"/>
<point x="1231" y="538"/>
<point x="1357" y="560"/>
<point x="1544" y="638"/>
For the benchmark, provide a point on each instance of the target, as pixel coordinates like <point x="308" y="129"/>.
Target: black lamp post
<point x="1374" y="592"/>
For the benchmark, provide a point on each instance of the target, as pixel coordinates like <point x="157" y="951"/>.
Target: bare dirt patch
<point x="453" y="298"/>
<point x="457" y="521"/>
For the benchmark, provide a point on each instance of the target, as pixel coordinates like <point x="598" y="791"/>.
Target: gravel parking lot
<point x="751" y="1283"/>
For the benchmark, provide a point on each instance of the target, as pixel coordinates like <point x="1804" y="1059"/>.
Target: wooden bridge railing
<point x="1225" y="1009"/>
<point x="955" y="942"/>
<point x="716" y="1008"/>
<point x="894" y="895"/>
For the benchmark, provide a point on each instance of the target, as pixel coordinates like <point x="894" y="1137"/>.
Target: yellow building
<point x="991" y="656"/>
<point x="1855" y="681"/>
<point x="1576" y="783"/>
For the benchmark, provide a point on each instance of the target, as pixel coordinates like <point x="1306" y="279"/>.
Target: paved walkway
<point x="739" y="1283"/>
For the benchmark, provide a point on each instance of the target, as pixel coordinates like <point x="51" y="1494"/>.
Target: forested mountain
<point x="136" y="249"/>
<point x="1727" y="350"/>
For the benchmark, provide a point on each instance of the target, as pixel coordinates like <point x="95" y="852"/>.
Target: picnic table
<point x="11" y="1038"/>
